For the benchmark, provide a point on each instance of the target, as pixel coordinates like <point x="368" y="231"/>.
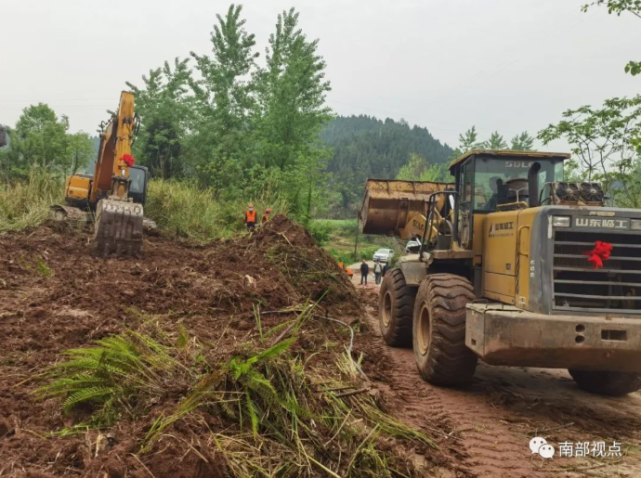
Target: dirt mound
<point x="221" y="297"/>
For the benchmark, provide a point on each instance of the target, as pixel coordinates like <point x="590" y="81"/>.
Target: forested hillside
<point x="365" y="146"/>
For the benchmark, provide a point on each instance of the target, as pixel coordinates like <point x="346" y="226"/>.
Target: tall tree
<point x="495" y="142"/>
<point x="291" y="95"/>
<point x="225" y="103"/>
<point x="79" y="152"/>
<point x="522" y="142"/>
<point x="165" y="111"/>
<point x="469" y="140"/>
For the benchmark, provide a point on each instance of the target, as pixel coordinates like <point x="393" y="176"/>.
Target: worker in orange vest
<point x="265" y="219"/>
<point x="250" y="218"/>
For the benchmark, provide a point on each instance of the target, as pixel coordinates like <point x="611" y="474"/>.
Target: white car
<point x="383" y="255"/>
<point x="412" y="246"/>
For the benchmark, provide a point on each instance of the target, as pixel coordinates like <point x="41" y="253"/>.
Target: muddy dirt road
<point x="486" y="429"/>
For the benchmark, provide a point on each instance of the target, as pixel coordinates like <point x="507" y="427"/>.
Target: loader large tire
<point x="395" y="309"/>
<point x="613" y="384"/>
<point x="439" y="330"/>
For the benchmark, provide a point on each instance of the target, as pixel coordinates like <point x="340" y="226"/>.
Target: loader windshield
<point x="499" y="181"/>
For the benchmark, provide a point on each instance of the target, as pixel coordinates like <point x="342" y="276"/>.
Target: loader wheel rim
<point x="387" y="309"/>
<point x="424" y="326"/>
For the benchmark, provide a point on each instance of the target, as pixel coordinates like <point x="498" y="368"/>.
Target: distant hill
<point x="366" y="147"/>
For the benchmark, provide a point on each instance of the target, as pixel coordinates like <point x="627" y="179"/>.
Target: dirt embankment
<point x="55" y="296"/>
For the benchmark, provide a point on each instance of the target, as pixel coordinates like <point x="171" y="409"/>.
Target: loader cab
<point x="491" y="181"/>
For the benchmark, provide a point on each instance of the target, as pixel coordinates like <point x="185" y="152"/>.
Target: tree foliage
<point x="241" y="129"/>
<point x="495" y="142"/>
<point x="420" y="169"/>
<point x="366" y="147"/>
<point x="166" y="110"/>
<point x="469" y="140"/>
<point x="606" y="143"/>
<point x="40" y="139"/>
<point x="522" y="142"/>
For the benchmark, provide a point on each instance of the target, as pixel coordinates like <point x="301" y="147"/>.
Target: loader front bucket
<point x="118" y="228"/>
<point x="388" y="203"/>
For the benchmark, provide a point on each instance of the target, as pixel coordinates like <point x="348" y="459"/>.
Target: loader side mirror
<point x="533" y="184"/>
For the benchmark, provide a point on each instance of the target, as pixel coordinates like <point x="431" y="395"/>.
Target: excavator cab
<point x="78" y="188"/>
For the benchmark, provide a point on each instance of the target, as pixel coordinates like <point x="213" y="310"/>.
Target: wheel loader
<point x="116" y="192"/>
<point x="516" y="267"/>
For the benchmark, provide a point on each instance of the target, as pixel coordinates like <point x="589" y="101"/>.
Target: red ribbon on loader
<point x="600" y="253"/>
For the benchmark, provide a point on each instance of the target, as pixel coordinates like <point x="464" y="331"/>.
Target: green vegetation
<point x="366" y="147"/>
<point x="270" y="411"/>
<point x="115" y="376"/>
<point x="41" y="139"/>
<point x="337" y="236"/>
<point x="25" y="204"/>
<point x="240" y="129"/>
<point x="606" y="146"/>
<point x="183" y="209"/>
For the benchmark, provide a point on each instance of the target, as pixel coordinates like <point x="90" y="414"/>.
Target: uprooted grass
<point x="269" y="408"/>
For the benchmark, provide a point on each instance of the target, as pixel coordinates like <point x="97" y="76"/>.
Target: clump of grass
<point x="25" y="204"/>
<point x="112" y="377"/>
<point x="181" y="209"/>
<point x="43" y="269"/>
<point x="278" y="413"/>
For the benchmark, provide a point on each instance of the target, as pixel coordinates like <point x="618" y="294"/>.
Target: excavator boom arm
<point x="115" y="144"/>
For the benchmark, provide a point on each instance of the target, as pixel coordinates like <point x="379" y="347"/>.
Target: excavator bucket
<point x="388" y="203"/>
<point x="118" y="228"/>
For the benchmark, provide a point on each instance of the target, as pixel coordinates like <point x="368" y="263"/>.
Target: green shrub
<point x="321" y="232"/>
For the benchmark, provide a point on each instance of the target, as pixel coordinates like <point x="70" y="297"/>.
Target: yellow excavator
<point x="516" y="267"/>
<point x="116" y="191"/>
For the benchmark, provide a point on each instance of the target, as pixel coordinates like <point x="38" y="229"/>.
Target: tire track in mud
<point x="466" y="429"/>
<point x="484" y="430"/>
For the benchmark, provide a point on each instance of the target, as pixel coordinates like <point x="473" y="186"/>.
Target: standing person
<point x="364" y="272"/>
<point x="386" y="268"/>
<point x="250" y="218"/>
<point x="265" y="218"/>
<point x="378" y="272"/>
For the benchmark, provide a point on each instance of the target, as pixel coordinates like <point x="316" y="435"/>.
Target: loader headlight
<point x="635" y="224"/>
<point x="561" y="221"/>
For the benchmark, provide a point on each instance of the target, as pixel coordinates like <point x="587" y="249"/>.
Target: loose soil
<point x="488" y="425"/>
<point x="55" y="296"/>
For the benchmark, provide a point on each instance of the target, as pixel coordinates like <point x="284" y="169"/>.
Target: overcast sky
<point x="506" y="65"/>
